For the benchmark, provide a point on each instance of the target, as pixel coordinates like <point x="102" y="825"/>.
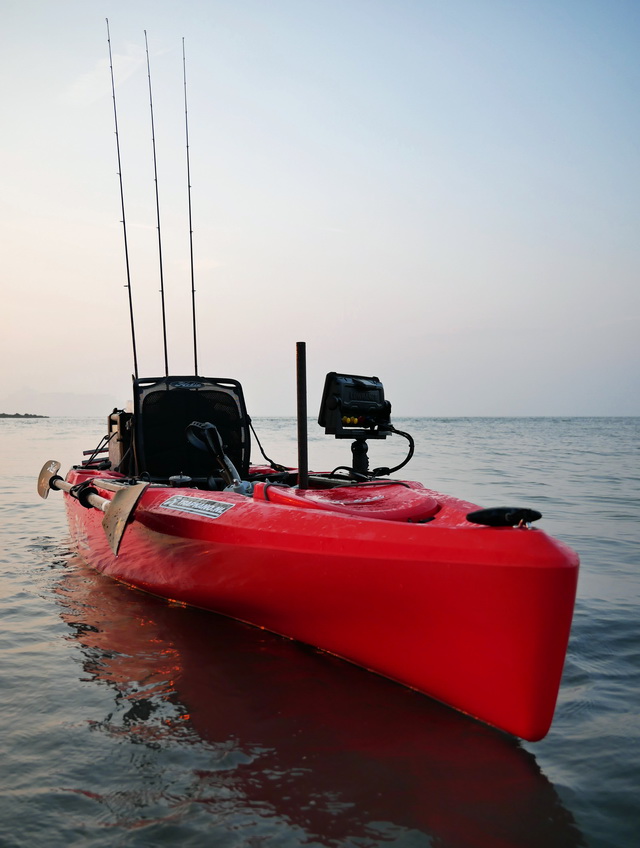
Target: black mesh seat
<point x="163" y="409"/>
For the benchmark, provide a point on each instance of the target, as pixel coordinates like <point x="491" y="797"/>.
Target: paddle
<point x="117" y="511"/>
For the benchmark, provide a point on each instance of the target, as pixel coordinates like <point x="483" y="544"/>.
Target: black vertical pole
<point x="301" y="386"/>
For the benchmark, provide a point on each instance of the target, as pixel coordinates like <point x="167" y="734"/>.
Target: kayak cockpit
<point x="195" y="433"/>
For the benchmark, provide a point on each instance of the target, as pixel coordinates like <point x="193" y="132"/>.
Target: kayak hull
<point x="476" y="617"/>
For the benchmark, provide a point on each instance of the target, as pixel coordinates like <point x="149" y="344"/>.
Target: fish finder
<point x="354" y="407"/>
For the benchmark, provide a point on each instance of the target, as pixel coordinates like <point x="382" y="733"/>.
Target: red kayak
<point x="472" y="607"/>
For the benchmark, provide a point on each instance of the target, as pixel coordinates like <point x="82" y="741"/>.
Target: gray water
<point x="127" y="721"/>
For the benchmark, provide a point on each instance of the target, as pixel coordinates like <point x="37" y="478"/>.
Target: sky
<point x="442" y="194"/>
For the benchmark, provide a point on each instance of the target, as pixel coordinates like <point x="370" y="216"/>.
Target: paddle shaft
<point x="118" y="511"/>
<point x="92" y="498"/>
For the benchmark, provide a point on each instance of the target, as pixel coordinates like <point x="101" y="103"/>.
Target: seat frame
<point x="163" y="407"/>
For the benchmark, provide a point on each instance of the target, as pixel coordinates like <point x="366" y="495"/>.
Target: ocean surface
<point x="128" y="721"/>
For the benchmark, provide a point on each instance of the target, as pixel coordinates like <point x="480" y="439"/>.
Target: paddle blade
<point x="49" y="469"/>
<point x="119" y="513"/>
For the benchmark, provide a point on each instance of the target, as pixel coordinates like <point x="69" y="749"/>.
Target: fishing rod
<point x="193" y="289"/>
<point x="124" y="225"/>
<point x="155" y="177"/>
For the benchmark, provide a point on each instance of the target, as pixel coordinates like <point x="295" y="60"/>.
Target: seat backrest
<point x="163" y="409"/>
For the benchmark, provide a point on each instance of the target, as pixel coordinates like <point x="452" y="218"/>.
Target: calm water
<point x="130" y="722"/>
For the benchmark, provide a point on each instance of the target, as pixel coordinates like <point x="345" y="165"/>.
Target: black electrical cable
<point x="384" y="472"/>
<point x="273" y="464"/>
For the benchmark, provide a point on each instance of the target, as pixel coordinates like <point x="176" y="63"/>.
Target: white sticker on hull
<point x="198" y="506"/>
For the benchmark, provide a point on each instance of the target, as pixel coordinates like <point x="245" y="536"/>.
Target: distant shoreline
<point x="20" y="415"/>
